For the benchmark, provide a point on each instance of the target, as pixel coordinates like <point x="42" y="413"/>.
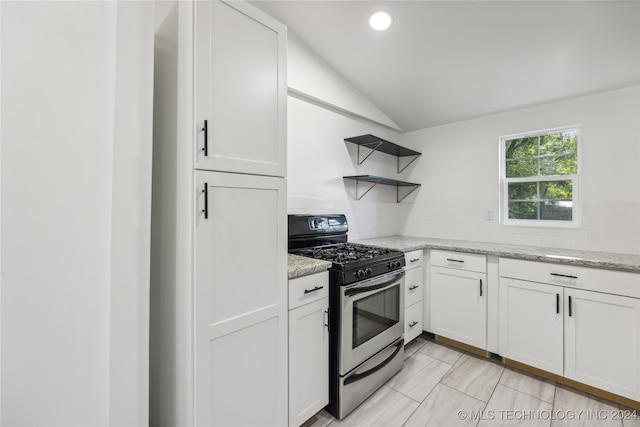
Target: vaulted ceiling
<point x="447" y="61"/>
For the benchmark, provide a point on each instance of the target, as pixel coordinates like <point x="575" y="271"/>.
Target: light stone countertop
<point x="302" y="266"/>
<point x="605" y="260"/>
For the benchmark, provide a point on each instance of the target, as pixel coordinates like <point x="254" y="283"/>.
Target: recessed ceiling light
<point x="380" y="21"/>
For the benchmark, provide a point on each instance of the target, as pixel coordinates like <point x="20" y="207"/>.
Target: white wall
<point x="131" y="216"/>
<point x="76" y="126"/>
<point x="459" y="175"/>
<point x="459" y="166"/>
<point x="323" y="110"/>
<point x="310" y="76"/>
<point x="318" y="158"/>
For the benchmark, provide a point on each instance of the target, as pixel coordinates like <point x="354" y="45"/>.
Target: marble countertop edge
<point x="299" y="266"/>
<point x="606" y="260"/>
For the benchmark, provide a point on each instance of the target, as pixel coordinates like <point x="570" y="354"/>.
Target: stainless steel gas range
<point x="366" y="308"/>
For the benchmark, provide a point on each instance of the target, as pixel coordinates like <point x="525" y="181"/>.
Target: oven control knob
<point x="368" y="272"/>
<point x="394" y="264"/>
<point x="360" y="273"/>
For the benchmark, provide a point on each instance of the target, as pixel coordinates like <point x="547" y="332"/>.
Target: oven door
<point x="372" y="317"/>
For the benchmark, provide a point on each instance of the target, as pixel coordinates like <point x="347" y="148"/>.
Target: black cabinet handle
<point x="308" y="291"/>
<point x="327" y="317"/>
<point x="206" y="138"/>
<point x="412" y="324"/>
<point x="206" y="200"/>
<point x="455" y="260"/>
<point x="413" y="287"/>
<point x="557" y="303"/>
<point x="414" y="260"/>
<point x="480" y="287"/>
<point x="564" y="275"/>
<point x="570" y="313"/>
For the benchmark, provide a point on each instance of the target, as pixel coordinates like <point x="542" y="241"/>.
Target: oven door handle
<point x="359" y="290"/>
<point x="357" y="377"/>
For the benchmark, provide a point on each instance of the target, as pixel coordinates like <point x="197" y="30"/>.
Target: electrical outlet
<point x="488" y="214"/>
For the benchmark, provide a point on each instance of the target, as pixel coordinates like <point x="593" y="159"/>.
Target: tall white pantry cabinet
<point x="219" y="237"/>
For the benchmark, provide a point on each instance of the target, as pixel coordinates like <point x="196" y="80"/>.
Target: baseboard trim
<point x="616" y="398"/>
<point x="625" y="401"/>
<point x="462" y="346"/>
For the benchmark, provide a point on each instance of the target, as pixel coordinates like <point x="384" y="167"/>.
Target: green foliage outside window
<point x="543" y="156"/>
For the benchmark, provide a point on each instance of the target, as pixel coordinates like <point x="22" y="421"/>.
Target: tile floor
<point x="442" y="386"/>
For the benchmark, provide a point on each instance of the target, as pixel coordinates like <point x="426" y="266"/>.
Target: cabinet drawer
<point x="593" y="279"/>
<point x="413" y="259"/>
<point x="459" y="260"/>
<point x="306" y="289"/>
<point x="413" y="286"/>
<point x="412" y="322"/>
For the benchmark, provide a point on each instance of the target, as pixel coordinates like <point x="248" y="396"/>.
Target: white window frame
<point x="574" y="178"/>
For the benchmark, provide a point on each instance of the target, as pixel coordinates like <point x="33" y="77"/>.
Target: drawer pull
<point x="413" y="287"/>
<point x="414" y="260"/>
<point x="564" y="275"/>
<point x="455" y="260"/>
<point x="412" y="324"/>
<point x="317" y="288"/>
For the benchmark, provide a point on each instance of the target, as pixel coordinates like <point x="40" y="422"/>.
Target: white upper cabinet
<point x="240" y="89"/>
<point x="219" y="254"/>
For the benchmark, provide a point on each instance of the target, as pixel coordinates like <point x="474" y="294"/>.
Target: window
<point x="540" y="178"/>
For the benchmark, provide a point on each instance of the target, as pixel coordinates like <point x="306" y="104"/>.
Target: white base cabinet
<point x="602" y="341"/>
<point x="572" y="325"/>
<point x="308" y="347"/>
<point x="414" y="291"/>
<point x="531" y="324"/>
<point x="458" y="297"/>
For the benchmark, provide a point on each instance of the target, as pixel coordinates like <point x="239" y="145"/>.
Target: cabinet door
<point x="459" y="305"/>
<point x="240" y="89"/>
<point x="240" y="300"/>
<point x="412" y="321"/>
<point x="602" y="342"/>
<point x="531" y="325"/>
<point x="413" y="286"/>
<point x="308" y="360"/>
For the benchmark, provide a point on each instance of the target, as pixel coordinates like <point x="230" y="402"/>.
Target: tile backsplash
<point x="608" y="227"/>
<point x="366" y="219"/>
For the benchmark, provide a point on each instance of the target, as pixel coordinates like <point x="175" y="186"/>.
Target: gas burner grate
<point x="343" y="253"/>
